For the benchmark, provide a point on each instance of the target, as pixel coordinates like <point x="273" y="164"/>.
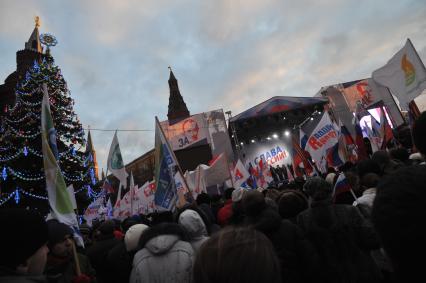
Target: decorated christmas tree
<point x="21" y="160"/>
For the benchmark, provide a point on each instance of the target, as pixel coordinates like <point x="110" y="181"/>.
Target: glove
<point x="83" y="278"/>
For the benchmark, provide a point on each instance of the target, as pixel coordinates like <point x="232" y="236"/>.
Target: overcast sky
<point x="225" y="54"/>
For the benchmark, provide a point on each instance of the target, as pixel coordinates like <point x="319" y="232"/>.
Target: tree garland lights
<point x="17" y="197"/>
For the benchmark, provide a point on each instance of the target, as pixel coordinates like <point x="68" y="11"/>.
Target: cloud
<point x="225" y="54"/>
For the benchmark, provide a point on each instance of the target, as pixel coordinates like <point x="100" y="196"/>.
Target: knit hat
<point x="23" y="233"/>
<point x="131" y="239"/>
<point x="330" y="178"/>
<point x="237" y="194"/>
<point x="57" y="231"/>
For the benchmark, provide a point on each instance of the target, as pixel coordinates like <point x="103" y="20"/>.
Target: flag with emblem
<point x="404" y="75"/>
<point x="115" y="162"/>
<point x="59" y="199"/>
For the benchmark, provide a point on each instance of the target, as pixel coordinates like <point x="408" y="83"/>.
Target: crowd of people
<point x="293" y="232"/>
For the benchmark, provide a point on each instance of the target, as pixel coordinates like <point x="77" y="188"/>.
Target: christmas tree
<point x="21" y="160"/>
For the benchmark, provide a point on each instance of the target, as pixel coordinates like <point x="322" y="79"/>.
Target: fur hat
<point x="23" y="233"/>
<point x="131" y="239"/>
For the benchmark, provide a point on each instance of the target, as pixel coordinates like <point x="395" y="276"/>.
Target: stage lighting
<point x="268" y="138"/>
<point x="275" y="136"/>
<point x="312" y="118"/>
<point x="286" y="133"/>
<point x="253" y="141"/>
<point x="241" y="143"/>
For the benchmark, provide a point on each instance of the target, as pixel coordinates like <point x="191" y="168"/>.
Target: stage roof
<point x="278" y="104"/>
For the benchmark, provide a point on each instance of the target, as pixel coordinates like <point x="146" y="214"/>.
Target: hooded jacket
<point x="195" y="227"/>
<point x="166" y="256"/>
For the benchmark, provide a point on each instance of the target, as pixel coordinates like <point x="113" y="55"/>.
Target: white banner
<point x="323" y="137"/>
<point x="186" y="133"/>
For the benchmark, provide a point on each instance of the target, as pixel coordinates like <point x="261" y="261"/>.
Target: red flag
<point x="300" y="156"/>
<point x="385" y="128"/>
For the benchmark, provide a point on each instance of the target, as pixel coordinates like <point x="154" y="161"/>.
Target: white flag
<point x="59" y="199"/>
<point x="218" y="172"/>
<point x="115" y="162"/>
<point x="404" y="75"/>
<point x="323" y="137"/>
<point x="70" y="190"/>
<point x="239" y="174"/>
<point x="195" y="180"/>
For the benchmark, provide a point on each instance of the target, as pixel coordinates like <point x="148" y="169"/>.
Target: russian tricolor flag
<point x="342" y="185"/>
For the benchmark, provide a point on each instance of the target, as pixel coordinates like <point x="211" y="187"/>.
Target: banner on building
<point x="203" y="128"/>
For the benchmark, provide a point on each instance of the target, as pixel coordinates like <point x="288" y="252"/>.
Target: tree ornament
<point x="4" y="173"/>
<point x="36" y="66"/>
<point x="17" y="197"/>
<point x="25" y="151"/>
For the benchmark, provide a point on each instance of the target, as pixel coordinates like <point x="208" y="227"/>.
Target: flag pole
<point x="173" y="155"/>
<point x="415" y="51"/>
<point x="229" y="170"/>
<point x="76" y="260"/>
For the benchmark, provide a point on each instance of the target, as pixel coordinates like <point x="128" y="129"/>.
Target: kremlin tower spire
<point x="177" y="107"/>
<point x="91" y="149"/>
<point x="33" y="42"/>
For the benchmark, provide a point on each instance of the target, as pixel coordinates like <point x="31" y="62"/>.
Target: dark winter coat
<point x="120" y="262"/>
<point x="98" y="254"/>
<point x="63" y="270"/>
<point x="342" y="238"/>
<point x="166" y="256"/>
<point x="9" y="276"/>
<point x="293" y="251"/>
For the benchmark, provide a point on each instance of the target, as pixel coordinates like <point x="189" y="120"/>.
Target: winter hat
<point x="330" y="178"/>
<point x="317" y="188"/>
<point x="131" y="239"/>
<point x="237" y="194"/>
<point x="57" y="231"/>
<point x="253" y="203"/>
<point x="107" y="228"/>
<point x="193" y="223"/>
<point x="24" y="232"/>
<point x="291" y="203"/>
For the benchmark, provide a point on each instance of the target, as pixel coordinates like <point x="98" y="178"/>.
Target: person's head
<point x="253" y="203"/>
<point x="369" y="180"/>
<point x="387" y="165"/>
<point x="368" y="166"/>
<point x="23" y="241"/>
<point x="419" y="130"/>
<point x="133" y="234"/>
<point x="347" y="166"/>
<point x="400" y="154"/>
<point x="193" y="223"/>
<point x="203" y="198"/>
<point x="330" y="178"/>
<point x="398" y="214"/>
<point x="272" y="194"/>
<point x="107" y="228"/>
<point x="318" y="189"/>
<point x="237" y="255"/>
<point x="60" y="238"/>
<point x="291" y="203"/>
<point x="228" y="193"/>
